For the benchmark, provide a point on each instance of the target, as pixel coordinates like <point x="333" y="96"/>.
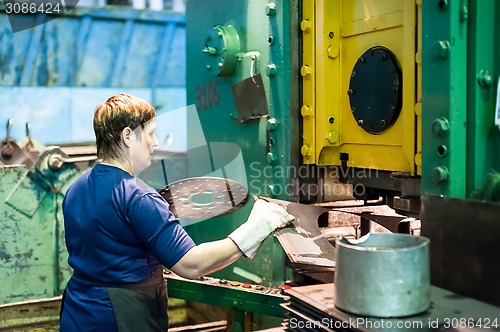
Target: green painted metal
<point x="444" y="108"/>
<point x="242" y="301"/>
<point x="235" y="297"/>
<point x="483" y="73"/>
<point x="268" y="43"/>
<point x="459" y="74"/>
<point x="32" y="252"/>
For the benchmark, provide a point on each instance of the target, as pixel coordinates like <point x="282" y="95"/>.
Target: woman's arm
<point x="206" y="258"/>
<point x="245" y="240"/>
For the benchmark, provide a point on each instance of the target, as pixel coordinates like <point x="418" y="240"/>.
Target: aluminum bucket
<point x="383" y="275"/>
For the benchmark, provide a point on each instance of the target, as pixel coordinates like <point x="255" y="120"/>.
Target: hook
<point x="28" y="130"/>
<point x="9" y="126"/>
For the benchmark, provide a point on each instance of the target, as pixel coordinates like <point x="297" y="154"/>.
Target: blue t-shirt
<point x="118" y="230"/>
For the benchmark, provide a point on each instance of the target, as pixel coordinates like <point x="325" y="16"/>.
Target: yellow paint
<point x="307" y="71"/>
<point x="344" y="30"/>
<point x="418" y="108"/>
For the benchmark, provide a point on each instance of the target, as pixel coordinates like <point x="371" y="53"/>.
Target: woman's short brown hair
<point x="114" y="115"/>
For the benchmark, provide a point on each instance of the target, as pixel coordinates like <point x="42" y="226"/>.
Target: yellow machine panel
<point x="365" y="100"/>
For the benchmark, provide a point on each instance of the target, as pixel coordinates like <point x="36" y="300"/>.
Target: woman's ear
<point x="126" y="136"/>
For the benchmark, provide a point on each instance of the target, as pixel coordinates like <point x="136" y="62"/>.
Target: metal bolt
<point x="270" y="40"/>
<point x="442" y="49"/>
<point x="360" y="123"/>
<point x="391" y="108"/>
<point x="361" y="59"/>
<point x="331" y="137"/>
<point x="271" y="158"/>
<point x="440" y="174"/>
<point x="350" y="92"/>
<point x="353" y="109"/>
<point x="331" y="35"/>
<point x="271" y="124"/>
<point x="485" y="79"/>
<point x="209" y="67"/>
<point x="384" y="57"/>
<point x="210" y="50"/>
<point x="306" y="71"/>
<point x="440" y="126"/>
<point x="395" y="88"/>
<point x="55" y="162"/>
<point x="353" y="74"/>
<point x="306" y="111"/>
<point x="382" y="123"/>
<point x="305" y="26"/>
<point x="274" y="189"/>
<point x="306" y="150"/>
<point x="271" y="9"/>
<point x="271" y="70"/>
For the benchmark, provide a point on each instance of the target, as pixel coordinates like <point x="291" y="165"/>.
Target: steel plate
<point x="204" y="197"/>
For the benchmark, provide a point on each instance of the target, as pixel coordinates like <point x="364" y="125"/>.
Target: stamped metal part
<point x="204" y="197"/>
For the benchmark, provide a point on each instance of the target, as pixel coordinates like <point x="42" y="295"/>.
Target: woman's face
<point x="143" y="142"/>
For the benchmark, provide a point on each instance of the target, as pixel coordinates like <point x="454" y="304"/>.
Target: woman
<point x="120" y="232"/>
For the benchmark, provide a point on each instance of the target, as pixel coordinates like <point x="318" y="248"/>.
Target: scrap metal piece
<point x="304" y="243"/>
<point x="204" y="197"/>
<point x="11" y="153"/>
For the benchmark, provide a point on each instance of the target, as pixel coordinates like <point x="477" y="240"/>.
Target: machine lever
<point x="57" y="160"/>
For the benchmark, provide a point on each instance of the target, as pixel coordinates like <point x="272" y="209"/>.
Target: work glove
<point x="264" y="218"/>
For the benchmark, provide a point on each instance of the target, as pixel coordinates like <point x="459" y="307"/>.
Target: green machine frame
<point x="459" y="83"/>
<point x="230" y="43"/>
<point x="461" y="144"/>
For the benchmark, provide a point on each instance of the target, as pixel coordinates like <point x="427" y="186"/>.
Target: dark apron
<point x="141" y="306"/>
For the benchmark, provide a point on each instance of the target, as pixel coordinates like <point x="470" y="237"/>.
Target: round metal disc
<point x="375" y="90"/>
<point x="204" y="197"/>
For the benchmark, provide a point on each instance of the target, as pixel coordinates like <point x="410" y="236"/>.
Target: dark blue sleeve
<point x="158" y="229"/>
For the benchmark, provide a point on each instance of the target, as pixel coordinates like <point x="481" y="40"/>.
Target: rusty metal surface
<point x="204" y="197"/>
<point x="12" y="154"/>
